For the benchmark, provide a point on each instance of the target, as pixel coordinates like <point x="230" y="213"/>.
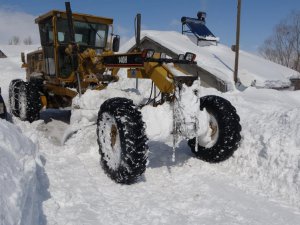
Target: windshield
<point x="86" y="34"/>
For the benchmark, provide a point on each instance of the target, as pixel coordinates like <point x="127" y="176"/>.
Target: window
<point x="78" y="38"/>
<point x="87" y="34"/>
<point x="100" y="41"/>
<point x="46" y="32"/>
<point x="61" y="36"/>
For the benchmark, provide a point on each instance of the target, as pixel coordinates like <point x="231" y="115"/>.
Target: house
<point x="2" y="55"/>
<point x="215" y="63"/>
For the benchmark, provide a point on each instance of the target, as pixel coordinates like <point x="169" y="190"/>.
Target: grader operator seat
<point x="90" y="32"/>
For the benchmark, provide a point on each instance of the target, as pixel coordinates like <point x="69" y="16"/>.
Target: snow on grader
<point x="79" y="53"/>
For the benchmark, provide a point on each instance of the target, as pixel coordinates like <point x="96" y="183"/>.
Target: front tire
<point x="225" y="127"/>
<point x="29" y="102"/>
<point x="122" y="140"/>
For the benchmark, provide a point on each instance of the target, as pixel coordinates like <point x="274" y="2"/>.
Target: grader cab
<point x="79" y="53"/>
<point x="55" y="63"/>
<point x="90" y="33"/>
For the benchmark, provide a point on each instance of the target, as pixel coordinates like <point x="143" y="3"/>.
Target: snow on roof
<point x="219" y="60"/>
<point x="2" y="55"/>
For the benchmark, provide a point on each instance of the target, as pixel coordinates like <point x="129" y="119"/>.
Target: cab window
<point x="86" y="34"/>
<point x="46" y="32"/>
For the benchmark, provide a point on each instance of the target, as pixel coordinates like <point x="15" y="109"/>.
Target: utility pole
<point x="138" y="41"/>
<point x="237" y="43"/>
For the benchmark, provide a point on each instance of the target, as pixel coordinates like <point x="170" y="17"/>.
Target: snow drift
<point x="18" y="179"/>
<point x="269" y="154"/>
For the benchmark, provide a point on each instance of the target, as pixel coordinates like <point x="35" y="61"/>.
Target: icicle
<point x="198" y="115"/>
<point x="174" y="133"/>
<point x="173" y="154"/>
<point x="196" y="147"/>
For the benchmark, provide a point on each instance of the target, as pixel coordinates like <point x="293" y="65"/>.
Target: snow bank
<point x="269" y="154"/>
<point x="17" y="177"/>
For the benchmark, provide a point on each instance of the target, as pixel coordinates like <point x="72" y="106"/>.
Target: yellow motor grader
<point x="79" y="53"/>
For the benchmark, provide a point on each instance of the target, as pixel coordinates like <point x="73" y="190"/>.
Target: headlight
<point x="190" y="56"/>
<point x="181" y="56"/>
<point x="148" y="53"/>
<point x="163" y="55"/>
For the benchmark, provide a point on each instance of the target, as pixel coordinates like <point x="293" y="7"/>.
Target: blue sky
<point x="258" y="16"/>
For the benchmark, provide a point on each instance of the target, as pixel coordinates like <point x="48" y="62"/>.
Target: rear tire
<point x="122" y="140"/>
<point x="227" y="133"/>
<point x="29" y="102"/>
<point x="3" y="111"/>
<point x="13" y="93"/>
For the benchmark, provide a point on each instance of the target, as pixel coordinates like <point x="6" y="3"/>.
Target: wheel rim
<point x="113" y="135"/>
<point x="109" y="140"/>
<point x="212" y="134"/>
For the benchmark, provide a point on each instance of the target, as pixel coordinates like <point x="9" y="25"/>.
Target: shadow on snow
<point x="161" y="154"/>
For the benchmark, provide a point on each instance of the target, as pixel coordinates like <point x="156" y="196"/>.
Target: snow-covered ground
<point x="259" y="185"/>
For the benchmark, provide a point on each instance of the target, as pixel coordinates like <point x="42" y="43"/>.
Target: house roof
<point x="219" y="60"/>
<point x="2" y="55"/>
